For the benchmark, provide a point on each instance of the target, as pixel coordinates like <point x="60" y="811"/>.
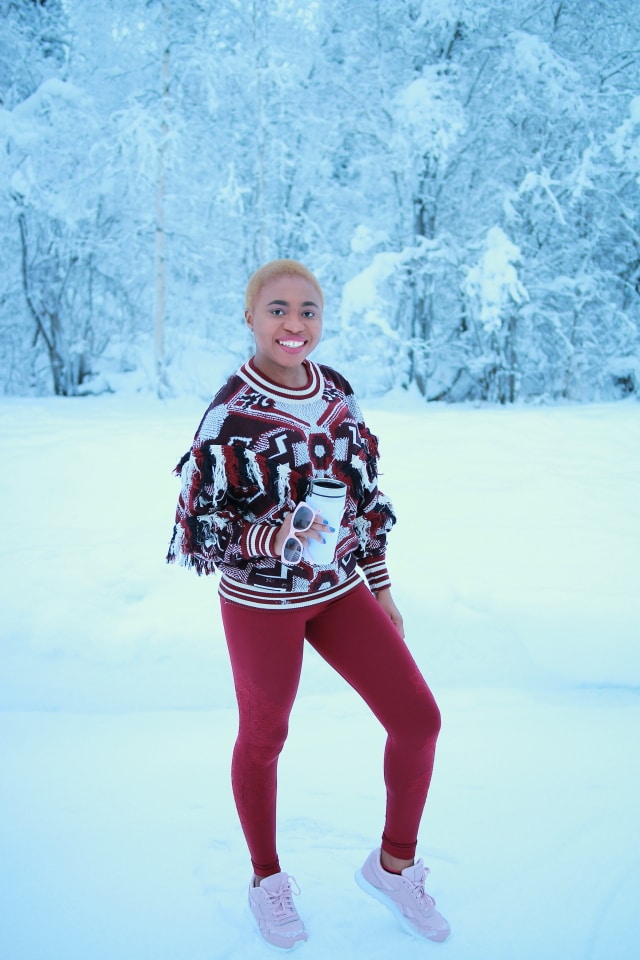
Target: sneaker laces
<point x="426" y="902"/>
<point x="280" y="901"/>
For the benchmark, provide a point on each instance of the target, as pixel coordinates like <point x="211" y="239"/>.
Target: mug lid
<point x="328" y="486"/>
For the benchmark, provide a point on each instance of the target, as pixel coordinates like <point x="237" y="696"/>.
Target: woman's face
<point x="286" y="320"/>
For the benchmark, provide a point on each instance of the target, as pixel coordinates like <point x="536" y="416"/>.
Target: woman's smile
<point x="292" y="346"/>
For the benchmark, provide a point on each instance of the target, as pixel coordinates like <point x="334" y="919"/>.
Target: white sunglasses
<point x="301" y="520"/>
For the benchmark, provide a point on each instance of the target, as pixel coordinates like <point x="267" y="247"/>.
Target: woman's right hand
<point x="315" y="532"/>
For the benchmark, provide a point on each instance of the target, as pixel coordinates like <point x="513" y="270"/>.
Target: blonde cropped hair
<point x="273" y="270"/>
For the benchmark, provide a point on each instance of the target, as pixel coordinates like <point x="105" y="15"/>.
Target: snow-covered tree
<point x="422" y="156"/>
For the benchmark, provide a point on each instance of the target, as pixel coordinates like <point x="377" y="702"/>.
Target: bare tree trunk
<point x="512" y="358"/>
<point x="162" y="385"/>
<point x="260" y="48"/>
<point x="49" y="337"/>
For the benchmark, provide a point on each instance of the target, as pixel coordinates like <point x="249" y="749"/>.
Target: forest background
<point x="462" y="175"/>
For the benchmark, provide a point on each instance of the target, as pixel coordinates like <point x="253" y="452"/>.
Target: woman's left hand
<point x="386" y="601"/>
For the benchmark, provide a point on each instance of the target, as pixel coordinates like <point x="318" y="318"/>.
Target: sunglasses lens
<point x="303" y="517"/>
<point x="292" y="550"/>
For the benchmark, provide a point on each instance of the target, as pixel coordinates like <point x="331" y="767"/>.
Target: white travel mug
<point x="328" y="498"/>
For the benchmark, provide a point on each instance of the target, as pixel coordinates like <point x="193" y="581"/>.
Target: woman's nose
<point x="293" y="322"/>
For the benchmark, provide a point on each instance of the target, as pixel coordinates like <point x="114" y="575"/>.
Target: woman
<point x="277" y="424"/>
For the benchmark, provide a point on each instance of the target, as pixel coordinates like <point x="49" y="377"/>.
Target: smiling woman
<point x="284" y="430"/>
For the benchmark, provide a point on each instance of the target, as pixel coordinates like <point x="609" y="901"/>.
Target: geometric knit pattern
<point x="254" y="455"/>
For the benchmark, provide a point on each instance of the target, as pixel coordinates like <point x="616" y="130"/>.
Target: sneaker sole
<point x="273" y="946"/>
<point x="437" y="937"/>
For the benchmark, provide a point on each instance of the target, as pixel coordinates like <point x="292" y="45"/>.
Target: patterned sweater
<point x="253" y="457"/>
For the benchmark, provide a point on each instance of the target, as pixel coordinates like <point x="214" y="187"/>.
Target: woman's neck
<point x="295" y="378"/>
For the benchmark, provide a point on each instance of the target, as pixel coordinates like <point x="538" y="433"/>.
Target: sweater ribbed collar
<point x="276" y="391"/>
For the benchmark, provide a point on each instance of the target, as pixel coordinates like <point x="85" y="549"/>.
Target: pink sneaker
<point x="277" y="918"/>
<point x="405" y="896"/>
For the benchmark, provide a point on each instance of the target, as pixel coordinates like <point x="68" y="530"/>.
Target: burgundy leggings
<point x="357" y="638"/>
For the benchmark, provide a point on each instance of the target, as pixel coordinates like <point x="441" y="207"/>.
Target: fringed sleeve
<point x="375" y="516"/>
<point x="211" y="526"/>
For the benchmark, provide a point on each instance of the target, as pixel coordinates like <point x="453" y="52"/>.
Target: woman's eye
<point x="308" y="314"/>
<point x="277" y="312"/>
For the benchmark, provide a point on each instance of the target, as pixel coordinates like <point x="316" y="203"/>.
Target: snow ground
<point x="515" y="564"/>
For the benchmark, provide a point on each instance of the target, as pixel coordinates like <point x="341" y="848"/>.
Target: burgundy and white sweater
<point x="253" y="457"/>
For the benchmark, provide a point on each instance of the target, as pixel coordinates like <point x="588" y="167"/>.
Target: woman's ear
<point x="249" y="319"/>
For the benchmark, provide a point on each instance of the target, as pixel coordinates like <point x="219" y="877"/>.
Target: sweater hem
<point x="264" y="599"/>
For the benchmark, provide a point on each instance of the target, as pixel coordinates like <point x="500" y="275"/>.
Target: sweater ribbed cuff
<point x="257" y="540"/>
<point x="375" y="570"/>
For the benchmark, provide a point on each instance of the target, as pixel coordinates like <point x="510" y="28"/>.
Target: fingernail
<point x="326" y="523"/>
<point x="332" y="529"/>
<point x="323" y="540"/>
